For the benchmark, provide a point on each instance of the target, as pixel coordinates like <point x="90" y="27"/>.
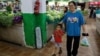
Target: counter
<point x="98" y="23"/>
<point x="14" y="34"/>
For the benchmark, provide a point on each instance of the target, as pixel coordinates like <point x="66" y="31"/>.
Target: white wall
<point x="27" y="6"/>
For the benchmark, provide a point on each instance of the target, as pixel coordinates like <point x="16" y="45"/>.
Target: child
<point x="58" y="33"/>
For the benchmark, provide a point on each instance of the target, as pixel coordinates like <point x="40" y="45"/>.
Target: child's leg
<point x="60" y="49"/>
<point x="56" y="49"/>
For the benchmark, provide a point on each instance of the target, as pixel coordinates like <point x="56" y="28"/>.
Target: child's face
<point x="58" y="28"/>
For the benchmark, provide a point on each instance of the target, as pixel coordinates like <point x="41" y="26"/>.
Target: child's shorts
<point x="58" y="45"/>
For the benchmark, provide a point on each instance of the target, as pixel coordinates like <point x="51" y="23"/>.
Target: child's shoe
<point x="54" y="55"/>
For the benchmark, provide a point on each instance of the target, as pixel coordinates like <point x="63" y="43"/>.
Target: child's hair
<point x="59" y="25"/>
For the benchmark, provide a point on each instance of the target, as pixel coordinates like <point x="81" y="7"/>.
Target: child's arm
<point x="61" y="33"/>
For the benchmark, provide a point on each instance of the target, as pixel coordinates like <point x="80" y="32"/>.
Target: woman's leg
<point x="69" y="45"/>
<point x="76" y="45"/>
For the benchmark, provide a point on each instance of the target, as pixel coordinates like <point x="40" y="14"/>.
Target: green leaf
<point x="6" y="20"/>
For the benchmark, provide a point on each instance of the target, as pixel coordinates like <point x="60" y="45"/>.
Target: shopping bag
<point x="84" y="41"/>
<point x="52" y="38"/>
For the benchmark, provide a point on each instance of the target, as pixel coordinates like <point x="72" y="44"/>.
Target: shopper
<point x="1" y="5"/>
<point x="47" y="6"/>
<point x="73" y="20"/>
<point x="92" y="13"/>
<point x="58" y="33"/>
<point x="16" y="6"/>
<point x="9" y="8"/>
<point x="56" y="6"/>
<point x="65" y="9"/>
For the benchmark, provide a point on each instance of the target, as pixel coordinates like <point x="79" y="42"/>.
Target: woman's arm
<point x="63" y="20"/>
<point x="84" y="28"/>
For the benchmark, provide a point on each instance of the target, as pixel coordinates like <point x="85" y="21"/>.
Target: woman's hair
<point x="73" y="3"/>
<point x="59" y="25"/>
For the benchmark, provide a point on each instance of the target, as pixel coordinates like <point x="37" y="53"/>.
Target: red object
<point x="99" y="2"/>
<point x="58" y="36"/>
<point x="91" y="3"/>
<point x="94" y="3"/>
<point x="37" y="7"/>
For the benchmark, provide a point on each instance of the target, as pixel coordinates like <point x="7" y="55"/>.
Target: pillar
<point x="31" y="21"/>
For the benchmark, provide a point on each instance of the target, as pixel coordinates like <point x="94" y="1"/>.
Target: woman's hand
<point x="84" y="31"/>
<point x="84" y="28"/>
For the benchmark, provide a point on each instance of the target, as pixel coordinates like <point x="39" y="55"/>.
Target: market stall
<point x="11" y="27"/>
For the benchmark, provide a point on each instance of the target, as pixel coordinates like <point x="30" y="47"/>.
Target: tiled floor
<point x="7" y="49"/>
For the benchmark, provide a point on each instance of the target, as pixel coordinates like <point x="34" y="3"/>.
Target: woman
<point x="65" y="9"/>
<point x="73" y="21"/>
<point x="16" y="7"/>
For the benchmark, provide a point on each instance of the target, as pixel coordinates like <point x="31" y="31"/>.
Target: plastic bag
<point x="84" y="41"/>
<point x="52" y="38"/>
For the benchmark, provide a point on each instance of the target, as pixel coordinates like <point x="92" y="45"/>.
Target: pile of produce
<point x="7" y="19"/>
<point x="53" y="15"/>
<point x="17" y="17"/>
